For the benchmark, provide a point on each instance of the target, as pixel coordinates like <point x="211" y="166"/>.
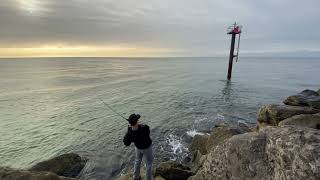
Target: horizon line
<point x="133" y="57"/>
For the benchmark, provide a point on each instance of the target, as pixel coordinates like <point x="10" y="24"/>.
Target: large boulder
<point x="306" y="120"/>
<point x="305" y="98"/>
<point x="68" y="165"/>
<point x="220" y="133"/>
<point x="271" y="115"/>
<point x="271" y="154"/>
<point x="197" y="161"/>
<point x="7" y="173"/>
<point x="172" y="170"/>
<point x="199" y="143"/>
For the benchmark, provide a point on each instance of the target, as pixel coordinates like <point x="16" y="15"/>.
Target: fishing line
<point x="112" y="109"/>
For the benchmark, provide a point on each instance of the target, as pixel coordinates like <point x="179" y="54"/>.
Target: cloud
<point x="192" y="27"/>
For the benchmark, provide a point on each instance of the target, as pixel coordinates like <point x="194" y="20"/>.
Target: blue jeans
<point x="148" y="160"/>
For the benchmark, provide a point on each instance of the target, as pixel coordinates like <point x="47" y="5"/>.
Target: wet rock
<point x="272" y="153"/>
<point x="305" y="120"/>
<point x="220" y="125"/>
<point x="186" y="160"/>
<point x="186" y="138"/>
<point x="7" y="173"/>
<point x="68" y="165"/>
<point x="305" y="98"/>
<point x="199" y="142"/>
<point x="271" y="115"/>
<point x="171" y="170"/>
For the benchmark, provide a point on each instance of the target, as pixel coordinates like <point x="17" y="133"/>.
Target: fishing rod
<point x="112" y="109"/>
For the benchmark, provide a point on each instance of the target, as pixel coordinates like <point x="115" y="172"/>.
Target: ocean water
<point x="50" y="106"/>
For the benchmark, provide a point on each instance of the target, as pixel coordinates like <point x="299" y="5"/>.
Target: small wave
<point x="220" y="117"/>
<point x="200" y="120"/>
<point x="242" y="122"/>
<point x="193" y="132"/>
<point x="175" y="144"/>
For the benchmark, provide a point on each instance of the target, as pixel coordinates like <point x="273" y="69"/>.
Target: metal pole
<point x="233" y="39"/>
<point x="237" y="57"/>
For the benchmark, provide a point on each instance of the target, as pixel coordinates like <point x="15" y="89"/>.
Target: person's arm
<point x="127" y="139"/>
<point x="148" y="130"/>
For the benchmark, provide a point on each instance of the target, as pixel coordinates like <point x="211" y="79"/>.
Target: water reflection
<point x="227" y="92"/>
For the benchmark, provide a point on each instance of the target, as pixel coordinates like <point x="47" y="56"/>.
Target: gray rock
<point x="129" y="175"/>
<point x="204" y="143"/>
<point x="273" y="153"/>
<point x="271" y="115"/>
<point x="186" y="160"/>
<point x="220" y="133"/>
<point x="305" y="120"/>
<point x="197" y="161"/>
<point x="318" y="92"/>
<point x="68" y="165"/>
<point x="159" y="178"/>
<point x="305" y="98"/>
<point x="7" y="173"/>
<point x="314" y="102"/>
<point x="171" y="170"/>
<point x="199" y="142"/>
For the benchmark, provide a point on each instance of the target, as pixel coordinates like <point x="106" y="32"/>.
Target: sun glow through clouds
<point x="83" y="51"/>
<point x="30" y="6"/>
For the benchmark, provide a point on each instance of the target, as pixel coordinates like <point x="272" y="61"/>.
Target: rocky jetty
<point x="307" y="97"/>
<point x="68" y="165"/>
<point x="303" y="103"/>
<point x="271" y="115"/>
<point x="286" y="145"/>
<point x="171" y="170"/>
<point x="7" y="173"/>
<point x="272" y="153"/>
<point x="63" y="167"/>
<point x="305" y="120"/>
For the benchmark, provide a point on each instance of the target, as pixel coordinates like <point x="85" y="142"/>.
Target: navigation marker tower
<point x="233" y="30"/>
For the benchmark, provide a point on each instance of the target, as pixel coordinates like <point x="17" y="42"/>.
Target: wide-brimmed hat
<point x="133" y="118"/>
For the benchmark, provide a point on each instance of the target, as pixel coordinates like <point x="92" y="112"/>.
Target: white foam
<point x="193" y="132"/>
<point x="175" y="144"/>
<point x="219" y="117"/>
<point x="242" y="122"/>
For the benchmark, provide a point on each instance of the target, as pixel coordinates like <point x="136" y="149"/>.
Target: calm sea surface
<point x="53" y="106"/>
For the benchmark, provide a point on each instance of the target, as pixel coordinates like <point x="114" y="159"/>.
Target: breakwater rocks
<point x="63" y="167"/>
<point x="284" y="145"/>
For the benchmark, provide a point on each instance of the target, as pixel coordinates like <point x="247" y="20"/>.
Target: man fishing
<point x="139" y="134"/>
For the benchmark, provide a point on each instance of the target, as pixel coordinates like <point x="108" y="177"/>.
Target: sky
<point x="128" y="28"/>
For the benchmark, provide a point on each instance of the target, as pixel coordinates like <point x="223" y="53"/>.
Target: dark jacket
<point x="140" y="137"/>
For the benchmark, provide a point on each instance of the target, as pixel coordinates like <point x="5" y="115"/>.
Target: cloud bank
<point x="165" y="27"/>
